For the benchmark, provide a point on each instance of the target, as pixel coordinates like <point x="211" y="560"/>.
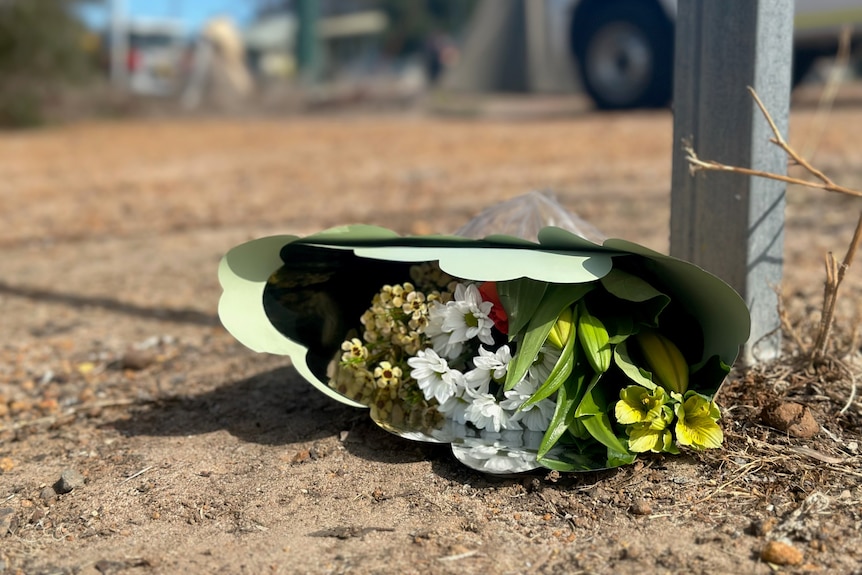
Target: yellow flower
<point x="387" y="375"/>
<point x="697" y="424"/>
<point x="647" y="417"/>
<point x="354" y="352"/>
<point x="644" y="437"/>
<point x="640" y="405"/>
<point x="414" y="305"/>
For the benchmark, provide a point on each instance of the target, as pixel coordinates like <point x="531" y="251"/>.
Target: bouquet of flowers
<point x="563" y="353"/>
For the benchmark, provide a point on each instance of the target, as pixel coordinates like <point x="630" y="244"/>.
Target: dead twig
<point x="696" y="164"/>
<point x="834" y="272"/>
<point x="828" y="94"/>
<point x="137" y="474"/>
<point x="834" y="276"/>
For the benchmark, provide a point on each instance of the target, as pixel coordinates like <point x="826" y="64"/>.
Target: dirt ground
<point x="137" y="437"/>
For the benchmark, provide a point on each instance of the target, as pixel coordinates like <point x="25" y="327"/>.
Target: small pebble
<point x="48" y="495"/>
<point x="37" y="515"/>
<point x="8" y="520"/>
<point x="532" y="484"/>
<point x="762" y="527"/>
<point x="640" y="507"/>
<point x="793" y="418"/>
<point x="137" y="360"/>
<point x="781" y="553"/>
<point x="69" y="480"/>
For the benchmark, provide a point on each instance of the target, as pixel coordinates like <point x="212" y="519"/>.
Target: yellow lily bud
<point x="665" y="360"/>
<point x="562" y="329"/>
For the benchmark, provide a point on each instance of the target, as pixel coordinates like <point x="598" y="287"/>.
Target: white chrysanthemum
<point x="536" y="417"/>
<point x="488" y="364"/>
<point x="467" y="316"/>
<point x="485" y="413"/>
<point x="455" y="408"/>
<point x="495" y="362"/>
<point x="516" y="396"/>
<point x="440" y="339"/>
<point x="544" y="363"/>
<point x="434" y="376"/>
<point x="478" y="381"/>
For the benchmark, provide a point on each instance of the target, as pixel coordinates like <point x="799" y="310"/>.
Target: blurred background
<point x="82" y="57"/>
<point x="72" y="58"/>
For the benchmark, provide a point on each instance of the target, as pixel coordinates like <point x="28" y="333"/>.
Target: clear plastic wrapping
<point x="523" y="217"/>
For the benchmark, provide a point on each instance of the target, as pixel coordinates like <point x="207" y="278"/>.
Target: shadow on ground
<point x="275" y="407"/>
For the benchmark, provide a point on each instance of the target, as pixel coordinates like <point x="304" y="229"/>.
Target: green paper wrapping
<point x="303" y="297"/>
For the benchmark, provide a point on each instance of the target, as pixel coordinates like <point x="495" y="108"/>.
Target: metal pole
<point x="119" y="44"/>
<point x="732" y="225"/>
<point x="307" y="41"/>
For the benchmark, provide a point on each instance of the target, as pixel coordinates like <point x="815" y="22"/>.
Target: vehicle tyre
<point x="625" y="53"/>
<point x="803" y="62"/>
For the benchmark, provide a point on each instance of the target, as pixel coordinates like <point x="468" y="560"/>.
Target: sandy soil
<point x="186" y="452"/>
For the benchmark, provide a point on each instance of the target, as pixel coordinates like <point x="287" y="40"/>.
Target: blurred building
<point x="348" y="32"/>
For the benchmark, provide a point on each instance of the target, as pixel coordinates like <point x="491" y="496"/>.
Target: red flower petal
<point x="488" y="291"/>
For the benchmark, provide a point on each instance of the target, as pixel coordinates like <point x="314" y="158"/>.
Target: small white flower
<point x="536" y="417"/>
<point x="478" y="381"/>
<point x="467" y="316"/>
<point x="516" y="396"/>
<point x="543" y="364"/>
<point x="441" y="340"/>
<point x="485" y="413"/>
<point x="488" y="364"/>
<point x="434" y="376"/>
<point x="455" y="408"/>
<point x="496" y="362"/>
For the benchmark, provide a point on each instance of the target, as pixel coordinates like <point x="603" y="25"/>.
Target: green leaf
<point x="567" y="460"/>
<point x="557" y="297"/>
<point x="630" y="287"/>
<point x="593" y="402"/>
<point x="617" y="458"/>
<point x="564" y="466"/>
<point x="619" y="328"/>
<point x="600" y="428"/>
<point x="568" y="397"/>
<point x="623" y="360"/>
<point x="594" y="339"/>
<point x="558" y="375"/>
<point x="592" y="412"/>
<point x="577" y="429"/>
<point x="520" y="298"/>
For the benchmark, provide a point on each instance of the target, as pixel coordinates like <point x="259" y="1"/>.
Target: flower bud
<point x="665" y="360"/>
<point x="562" y="329"/>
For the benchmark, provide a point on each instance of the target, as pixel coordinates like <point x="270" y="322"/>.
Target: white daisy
<point x="455" y="408"/>
<point x="488" y="364"/>
<point x="441" y="340"/>
<point x="434" y="376"/>
<point x="467" y="316"/>
<point x="544" y="363"/>
<point x="485" y="413"/>
<point x="536" y="417"/>
<point x="478" y="381"/>
<point x="495" y="362"/>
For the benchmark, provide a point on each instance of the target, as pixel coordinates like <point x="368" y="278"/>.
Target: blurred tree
<point x="43" y="48"/>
